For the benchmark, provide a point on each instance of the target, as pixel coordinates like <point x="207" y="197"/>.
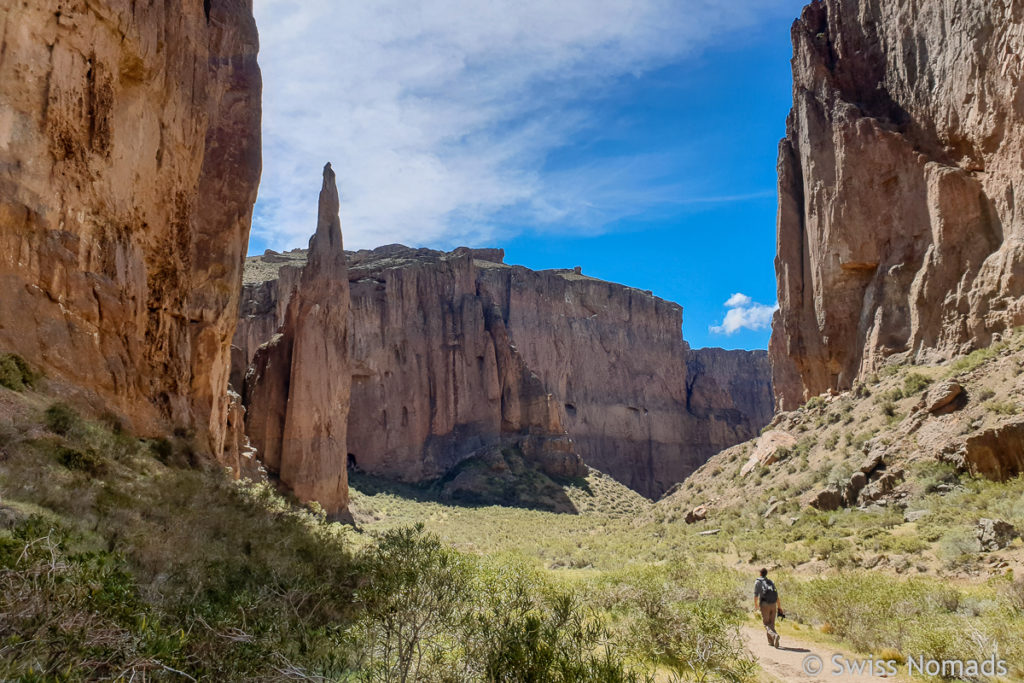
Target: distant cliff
<point x="129" y="161"/>
<point x="899" y="228"/>
<point x="455" y="352"/>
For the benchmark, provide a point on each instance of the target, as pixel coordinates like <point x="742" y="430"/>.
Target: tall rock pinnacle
<point x="299" y="388"/>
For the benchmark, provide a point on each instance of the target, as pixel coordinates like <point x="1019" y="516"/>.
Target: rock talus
<point x="899" y="229"/>
<point x="129" y="162"/>
<point x="299" y="388"/>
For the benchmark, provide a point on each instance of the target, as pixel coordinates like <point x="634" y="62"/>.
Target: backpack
<point x="768" y="592"/>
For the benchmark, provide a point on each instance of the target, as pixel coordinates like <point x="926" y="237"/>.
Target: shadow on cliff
<point x="496" y="478"/>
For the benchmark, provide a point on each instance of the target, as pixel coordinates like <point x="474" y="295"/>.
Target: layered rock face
<point x="729" y="396"/>
<point x="129" y="161"/>
<point x="455" y="353"/>
<point x="899" y="231"/>
<point x="299" y="387"/>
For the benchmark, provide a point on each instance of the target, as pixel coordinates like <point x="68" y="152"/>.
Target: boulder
<point x="995" y="534"/>
<point x="915" y="515"/>
<point x="856" y="484"/>
<point x="766" y="450"/>
<point x="942" y="398"/>
<point x="872" y="461"/>
<point x="996" y="453"/>
<point x="828" y="499"/>
<point x="697" y="514"/>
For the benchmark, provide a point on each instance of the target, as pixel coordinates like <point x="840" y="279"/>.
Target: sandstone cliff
<point x="299" y="387"/>
<point x="453" y="353"/>
<point x="899" y="231"/>
<point x="129" y="161"/>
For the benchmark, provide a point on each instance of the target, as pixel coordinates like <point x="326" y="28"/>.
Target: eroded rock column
<point x="298" y="389"/>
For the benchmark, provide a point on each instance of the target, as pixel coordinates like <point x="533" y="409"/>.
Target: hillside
<point x="938" y="449"/>
<point x="124" y="556"/>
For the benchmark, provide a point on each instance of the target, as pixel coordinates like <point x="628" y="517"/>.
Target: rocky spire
<point x="300" y="384"/>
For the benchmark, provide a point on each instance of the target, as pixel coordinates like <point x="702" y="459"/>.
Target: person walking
<point x="766" y="600"/>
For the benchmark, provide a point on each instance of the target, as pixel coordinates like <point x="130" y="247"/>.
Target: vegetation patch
<point x="15" y="373"/>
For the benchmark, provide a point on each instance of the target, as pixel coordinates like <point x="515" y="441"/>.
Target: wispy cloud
<point x="744" y="314"/>
<point x="440" y="116"/>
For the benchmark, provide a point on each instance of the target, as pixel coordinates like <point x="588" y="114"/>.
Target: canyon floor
<point x="135" y="555"/>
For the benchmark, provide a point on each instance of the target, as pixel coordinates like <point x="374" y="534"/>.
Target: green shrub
<point x="521" y="633"/>
<point x="974" y="359"/>
<point x="889" y="409"/>
<point x="84" y="461"/>
<point x="163" y="449"/>
<point x="931" y="474"/>
<point x="915" y="383"/>
<point x="62" y="419"/>
<point x="814" y="403"/>
<point x="957" y="547"/>
<point x="1002" y="407"/>
<point x="15" y="373"/>
<point x="685" y="620"/>
<point x="870" y="610"/>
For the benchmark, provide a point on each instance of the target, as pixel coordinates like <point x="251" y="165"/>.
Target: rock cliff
<point x="453" y="353"/>
<point x="129" y="161"/>
<point x="899" y="229"/>
<point x="299" y="387"/>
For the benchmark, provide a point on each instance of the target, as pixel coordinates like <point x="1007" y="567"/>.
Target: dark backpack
<point x="768" y="592"/>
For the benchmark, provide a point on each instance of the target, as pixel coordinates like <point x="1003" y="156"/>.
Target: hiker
<point x="766" y="599"/>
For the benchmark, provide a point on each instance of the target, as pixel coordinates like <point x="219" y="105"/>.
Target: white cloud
<point x="744" y="314"/>
<point x="737" y="299"/>
<point x="439" y="115"/>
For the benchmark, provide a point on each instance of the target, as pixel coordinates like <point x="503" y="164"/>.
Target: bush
<point x="686" y="621"/>
<point x="915" y="383"/>
<point x="889" y="409"/>
<point x="1002" y="407"/>
<point x="957" y="547"/>
<point x="814" y="403"/>
<point x="870" y="610"/>
<point x="974" y="359"/>
<point x="61" y="419"/>
<point x="83" y="461"/>
<point x="427" y="613"/>
<point x="520" y="634"/>
<point x="15" y="373"/>
<point x="415" y="592"/>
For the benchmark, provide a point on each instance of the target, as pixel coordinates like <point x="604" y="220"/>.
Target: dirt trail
<point x="787" y="662"/>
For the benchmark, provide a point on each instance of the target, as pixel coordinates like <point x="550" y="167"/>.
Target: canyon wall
<point x="129" y="162"/>
<point x="899" y="229"/>
<point x="453" y="353"/>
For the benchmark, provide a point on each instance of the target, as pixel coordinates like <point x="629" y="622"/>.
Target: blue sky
<point x="635" y="139"/>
